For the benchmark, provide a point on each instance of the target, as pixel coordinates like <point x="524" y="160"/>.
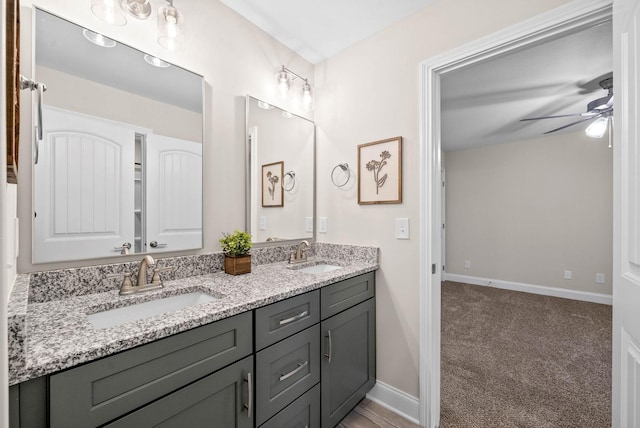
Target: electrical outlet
<point x="263" y="223"/>
<point x="467" y="264"/>
<point x="308" y="224"/>
<point x="599" y="278"/>
<point x="567" y="274"/>
<point x="402" y="228"/>
<point x="322" y="225"/>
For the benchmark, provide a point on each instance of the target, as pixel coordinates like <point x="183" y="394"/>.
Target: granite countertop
<point x="59" y="334"/>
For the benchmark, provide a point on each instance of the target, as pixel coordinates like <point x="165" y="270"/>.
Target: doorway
<point x="563" y="20"/>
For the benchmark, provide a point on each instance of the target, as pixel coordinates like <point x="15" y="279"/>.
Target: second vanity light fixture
<point x="170" y="21"/>
<point x="285" y="77"/>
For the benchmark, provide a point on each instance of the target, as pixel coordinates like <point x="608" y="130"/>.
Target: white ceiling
<point x="317" y="30"/>
<point x="481" y="104"/>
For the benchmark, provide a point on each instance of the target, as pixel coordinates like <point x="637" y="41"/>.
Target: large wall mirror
<point x="281" y="173"/>
<point x="118" y="167"/>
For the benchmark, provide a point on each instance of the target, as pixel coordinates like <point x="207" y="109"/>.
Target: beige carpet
<point x="513" y="359"/>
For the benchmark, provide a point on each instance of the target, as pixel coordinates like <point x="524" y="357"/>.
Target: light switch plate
<point x="322" y="225"/>
<point x="308" y="224"/>
<point x="402" y="228"/>
<point x="263" y="223"/>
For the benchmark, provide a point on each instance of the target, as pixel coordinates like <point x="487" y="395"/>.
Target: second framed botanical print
<point x="272" y="184"/>
<point x="380" y="172"/>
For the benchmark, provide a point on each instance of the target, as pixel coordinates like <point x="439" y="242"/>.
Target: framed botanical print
<point x="272" y="174"/>
<point x="380" y="172"/>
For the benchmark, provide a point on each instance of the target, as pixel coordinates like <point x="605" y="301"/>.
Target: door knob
<point x="154" y="244"/>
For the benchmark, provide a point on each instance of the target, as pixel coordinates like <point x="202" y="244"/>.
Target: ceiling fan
<point x="600" y="110"/>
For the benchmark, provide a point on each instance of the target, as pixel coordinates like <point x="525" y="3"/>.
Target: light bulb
<point x="307" y="99"/>
<point x="170" y="25"/>
<point x="283" y="83"/>
<point x="597" y="128"/>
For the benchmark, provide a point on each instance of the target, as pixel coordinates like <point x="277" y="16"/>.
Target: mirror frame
<point x="248" y="176"/>
<point x="33" y="107"/>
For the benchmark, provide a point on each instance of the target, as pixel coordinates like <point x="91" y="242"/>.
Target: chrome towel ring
<point x="292" y="181"/>
<point x="344" y="167"/>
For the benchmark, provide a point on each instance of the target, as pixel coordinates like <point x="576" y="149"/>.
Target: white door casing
<point x="570" y="17"/>
<point x="83" y="197"/>
<point x="174" y="181"/>
<point x="626" y="216"/>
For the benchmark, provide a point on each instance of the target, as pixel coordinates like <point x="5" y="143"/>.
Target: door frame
<point x="571" y="17"/>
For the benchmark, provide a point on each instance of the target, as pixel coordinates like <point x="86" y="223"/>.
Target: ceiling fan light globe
<point x="597" y="128"/>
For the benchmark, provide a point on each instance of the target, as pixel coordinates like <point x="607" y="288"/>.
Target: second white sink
<point x="319" y="268"/>
<point x="117" y="316"/>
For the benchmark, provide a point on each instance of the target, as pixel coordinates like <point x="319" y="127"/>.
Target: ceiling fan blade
<point x="556" y="116"/>
<point x="573" y="123"/>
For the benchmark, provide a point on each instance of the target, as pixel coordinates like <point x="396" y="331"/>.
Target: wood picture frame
<point x="380" y="172"/>
<point x="12" y="95"/>
<point x="272" y="194"/>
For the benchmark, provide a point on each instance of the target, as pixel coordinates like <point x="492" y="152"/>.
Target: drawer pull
<point x="294" y="318"/>
<point x="329" y="354"/>
<point x="249" y="405"/>
<point x="294" y="371"/>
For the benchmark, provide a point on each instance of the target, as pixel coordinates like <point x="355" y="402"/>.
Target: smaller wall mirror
<point x="280" y="173"/>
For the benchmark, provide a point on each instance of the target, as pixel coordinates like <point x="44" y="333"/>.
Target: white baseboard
<point x="397" y="401"/>
<point x="586" y="296"/>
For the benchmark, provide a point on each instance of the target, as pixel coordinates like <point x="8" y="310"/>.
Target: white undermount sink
<point x="319" y="268"/>
<point x="117" y="316"/>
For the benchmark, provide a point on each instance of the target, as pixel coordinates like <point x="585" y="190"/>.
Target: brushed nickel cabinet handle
<point x="294" y="371"/>
<point x="249" y="405"/>
<point x="294" y="318"/>
<point x="329" y="354"/>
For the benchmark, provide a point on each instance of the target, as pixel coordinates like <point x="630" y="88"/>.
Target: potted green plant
<point x="236" y="247"/>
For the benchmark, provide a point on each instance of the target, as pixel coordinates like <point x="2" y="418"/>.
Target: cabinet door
<point x="222" y="399"/>
<point x="349" y="362"/>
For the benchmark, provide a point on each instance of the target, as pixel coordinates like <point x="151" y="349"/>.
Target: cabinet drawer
<point x="304" y="412"/>
<point x="282" y="319"/>
<point x="337" y="297"/>
<point x="103" y="390"/>
<point x="218" y="400"/>
<point x="285" y="371"/>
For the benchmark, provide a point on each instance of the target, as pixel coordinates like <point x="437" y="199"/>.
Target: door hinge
<point x="433" y="268"/>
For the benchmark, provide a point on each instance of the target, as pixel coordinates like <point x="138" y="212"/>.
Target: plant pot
<point x="237" y="265"/>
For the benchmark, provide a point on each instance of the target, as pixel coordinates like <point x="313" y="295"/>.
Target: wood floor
<point x="368" y="414"/>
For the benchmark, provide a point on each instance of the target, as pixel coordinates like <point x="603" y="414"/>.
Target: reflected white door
<point x="83" y="187"/>
<point x="174" y="194"/>
<point x="626" y="238"/>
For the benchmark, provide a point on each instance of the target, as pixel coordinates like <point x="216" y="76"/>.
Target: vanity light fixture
<point x="285" y="77"/>
<point x="170" y="26"/>
<point x="109" y="11"/>
<point x="98" y="39"/>
<point x="156" y="62"/>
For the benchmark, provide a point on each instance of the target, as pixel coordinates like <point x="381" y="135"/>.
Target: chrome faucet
<point x="141" y="284"/>
<point x="299" y="255"/>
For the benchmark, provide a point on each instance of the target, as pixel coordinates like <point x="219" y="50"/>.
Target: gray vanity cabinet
<point x="348" y="347"/>
<point x="219" y="400"/>
<point x="102" y="391"/>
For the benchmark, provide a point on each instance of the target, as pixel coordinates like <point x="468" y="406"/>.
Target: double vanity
<point x="286" y="345"/>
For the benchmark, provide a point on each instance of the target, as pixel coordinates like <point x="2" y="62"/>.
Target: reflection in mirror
<point x="119" y="166"/>
<point x="281" y="173"/>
